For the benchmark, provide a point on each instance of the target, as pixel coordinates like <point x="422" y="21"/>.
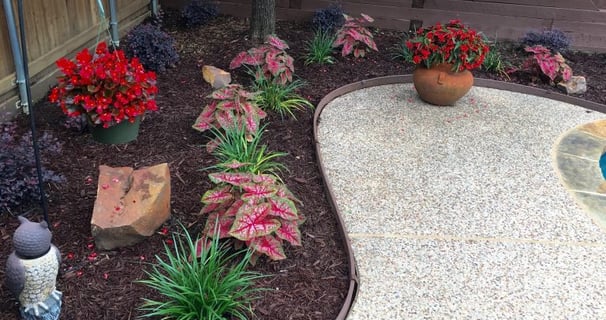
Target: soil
<point x="313" y="281"/>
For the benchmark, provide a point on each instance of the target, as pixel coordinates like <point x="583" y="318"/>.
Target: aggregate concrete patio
<point x="460" y="212"/>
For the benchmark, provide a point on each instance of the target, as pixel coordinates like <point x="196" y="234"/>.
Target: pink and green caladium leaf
<point x="202" y="245"/>
<point x="212" y="145"/>
<point x="290" y="232"/>
<point x="234" y="208"/>
<point x="264" y="178"/>
<point x="269" y="246"/>
<point x="254" y="192"/>
<point x="226" y="118"/>
<point x="347" y="48"/>
<point x="252" y="122"/>
<point x="367" y="17"/>
<point x="283" y="192"/>
<point x="217" y="195"/>
<point x="225" y="222"/>
<point x="238" y="60"/>
<point x="202" y="123"/>
<point x="252" y="222"/>
<point x="283" y="208"/>
<point x="276" y="42"/>
<point x="234" y="164"/>
<point x="214" y="207"/>
<point x="233" y="178"/>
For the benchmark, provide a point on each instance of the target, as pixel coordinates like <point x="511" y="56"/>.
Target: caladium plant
<point x="270" y="58"/>
<point x="551" y="65"/>
<point x="353" y="37"/>
<point x="231" y="106"/>
<point x="253" y="208"/>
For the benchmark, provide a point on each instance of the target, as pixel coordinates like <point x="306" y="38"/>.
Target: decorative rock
<point x="130" y="205"/>
<point x="216" y="77"/>
<point x="576" y="85"/>
<point x="31" y="271"/>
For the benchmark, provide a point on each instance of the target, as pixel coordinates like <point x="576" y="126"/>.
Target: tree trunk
<point x="263" y="20"/>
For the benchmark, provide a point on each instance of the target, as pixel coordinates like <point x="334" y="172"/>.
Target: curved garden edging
<point x="353" y="270"/>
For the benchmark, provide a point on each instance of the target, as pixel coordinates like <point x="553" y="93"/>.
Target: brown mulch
<point x="313" y="281"/>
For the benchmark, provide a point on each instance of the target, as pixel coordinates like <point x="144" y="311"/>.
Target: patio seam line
<point x="361" y="236"/>
<point x="576" y="156"/>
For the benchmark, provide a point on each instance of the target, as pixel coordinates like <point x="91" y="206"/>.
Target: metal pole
<point x="154" y="6"/>
<point x="31" y="113"/>
<point x="16" y="50"/>
<point x="113" y="23"/>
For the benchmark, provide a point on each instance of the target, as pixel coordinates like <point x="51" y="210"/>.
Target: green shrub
<point x="555" y="40"/>
<point x="319" y="49"/>
<point x="19" y="183"/>
<point x="154" y="47"/>
<point x="328" y="19"/>
<point x="201" y="281"/>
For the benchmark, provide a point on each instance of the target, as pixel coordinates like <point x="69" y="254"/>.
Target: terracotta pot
<point x="439" y="85"/>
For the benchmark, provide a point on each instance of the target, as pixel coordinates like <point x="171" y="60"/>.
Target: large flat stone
<point x="130" y="205"/>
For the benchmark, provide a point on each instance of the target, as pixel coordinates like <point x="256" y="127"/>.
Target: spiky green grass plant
<point x="493" y="62"/>
<point x="280" y="98"/>
<point x="239" y="151"/>
<point x="212" y="286"/>
<point x="319" y="49"/>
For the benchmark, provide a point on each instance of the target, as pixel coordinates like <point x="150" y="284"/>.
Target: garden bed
<point x="312" y="282"/>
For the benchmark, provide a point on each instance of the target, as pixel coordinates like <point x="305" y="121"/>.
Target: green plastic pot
<point x="123" y="132"/>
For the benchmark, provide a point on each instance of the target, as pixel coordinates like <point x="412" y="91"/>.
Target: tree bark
<point x="263" y="20"/>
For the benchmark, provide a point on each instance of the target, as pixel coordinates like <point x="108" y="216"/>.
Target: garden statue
<point x="31" y="271"/>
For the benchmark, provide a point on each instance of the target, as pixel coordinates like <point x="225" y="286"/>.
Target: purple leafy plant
<point x="231" y="106"/>
<point x="271" y="60"/>
<point x="354" y="38"/>
<point x="544" y="62"/>
<point x="255" y="209"/>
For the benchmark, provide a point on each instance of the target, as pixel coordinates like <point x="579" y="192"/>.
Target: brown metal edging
<point x="479" y="82"/>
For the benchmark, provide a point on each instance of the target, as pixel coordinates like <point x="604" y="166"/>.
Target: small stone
<point x="130" y="205"/>
<point x="216" y="77"/>
<point x="576" y="85"/>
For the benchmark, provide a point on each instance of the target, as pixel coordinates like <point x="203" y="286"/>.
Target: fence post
<point x="414" y="23"/>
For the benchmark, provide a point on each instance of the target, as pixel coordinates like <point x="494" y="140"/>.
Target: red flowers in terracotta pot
<point x="105" y="86"/>
<point x="452" y="43"/>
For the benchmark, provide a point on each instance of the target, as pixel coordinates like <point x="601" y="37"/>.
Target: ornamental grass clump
<point x="282" y="99"/>
<point x="201" y="280"/>
<point x="452" y="43"/>
<point x="319" y="49"/>
<point x="238" y="151"/>
<point x="105" y="86"/>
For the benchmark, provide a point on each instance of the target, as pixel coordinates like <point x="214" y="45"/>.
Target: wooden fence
<point x="583" y="20"/>
<point x="56" y="28"/>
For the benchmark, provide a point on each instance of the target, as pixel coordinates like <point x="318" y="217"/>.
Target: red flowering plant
<point x="106" y="87"/>
<point x="452" y="43"/>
